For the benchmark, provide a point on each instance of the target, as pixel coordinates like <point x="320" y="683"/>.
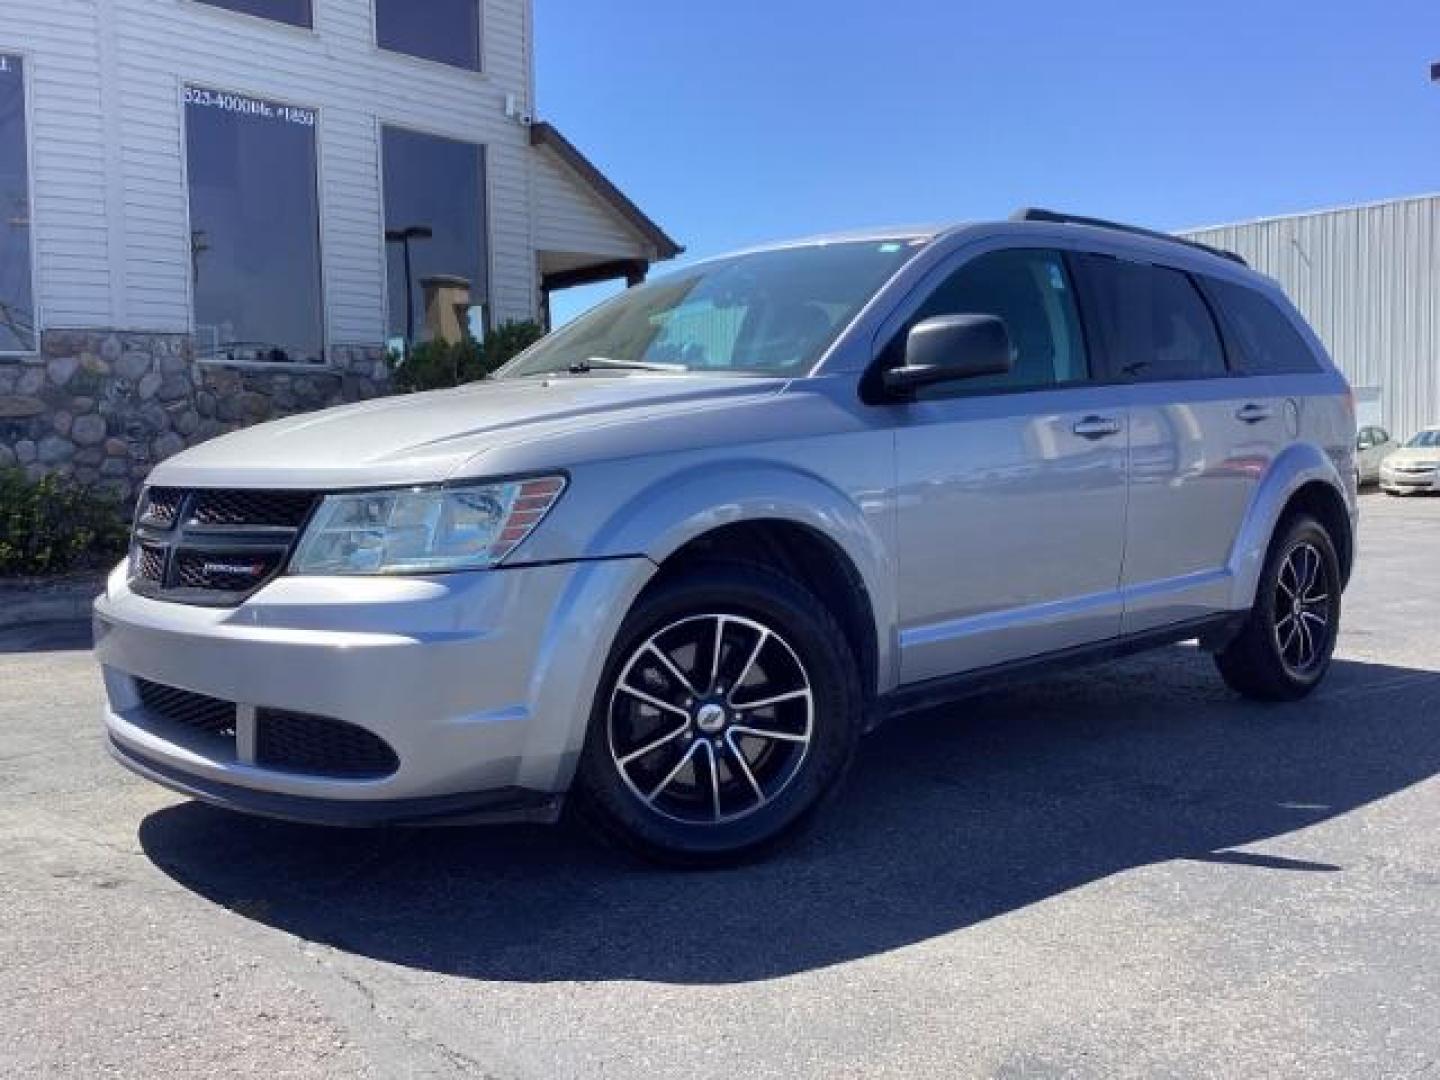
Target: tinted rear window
<point x="1156" y="324"/>
<point x="1268" y="342"/>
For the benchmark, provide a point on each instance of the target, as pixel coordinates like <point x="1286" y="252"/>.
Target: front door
<point x="1012" y="488"/>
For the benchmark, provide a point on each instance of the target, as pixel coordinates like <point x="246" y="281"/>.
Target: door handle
<point x="1096" y="427"/>
<point x="1253" y="413"/>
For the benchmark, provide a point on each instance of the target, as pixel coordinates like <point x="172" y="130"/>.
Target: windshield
<point x="1429" y="437"/>
<point x="768" y="313"/>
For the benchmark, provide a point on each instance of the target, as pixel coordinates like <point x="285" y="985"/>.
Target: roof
<point x="543" y="134"/>
<point x="877" y="234"/>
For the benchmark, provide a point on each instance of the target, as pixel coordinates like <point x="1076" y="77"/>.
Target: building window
<point x="447" y="31"/>
<point x="436" y="255"/>
<point x="254" y="229"/>
<point x="294" y="12"/>
<point x="17" y="306"/>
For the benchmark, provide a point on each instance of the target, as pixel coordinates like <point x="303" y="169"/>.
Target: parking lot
<point x="1120" y="872"/>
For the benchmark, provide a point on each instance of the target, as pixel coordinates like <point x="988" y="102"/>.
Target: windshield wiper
<point x="604" y="363"/>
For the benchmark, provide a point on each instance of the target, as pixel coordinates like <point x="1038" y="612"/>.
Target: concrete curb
<point x="29" y="602"/>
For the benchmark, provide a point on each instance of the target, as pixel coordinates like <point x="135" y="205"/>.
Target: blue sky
<point x="745" y="121"/>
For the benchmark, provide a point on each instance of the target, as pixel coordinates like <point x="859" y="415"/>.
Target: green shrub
<point x="52" y="525"/>
<point x="438" y="364"/>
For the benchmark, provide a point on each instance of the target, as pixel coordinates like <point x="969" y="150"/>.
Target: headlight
<point x="423" y="530"/>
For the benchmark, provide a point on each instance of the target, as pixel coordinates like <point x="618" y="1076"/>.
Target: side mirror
<point x="951" y="347"/>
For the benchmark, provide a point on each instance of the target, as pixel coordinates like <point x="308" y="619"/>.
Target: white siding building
<point x="206" y="206"/>
<point x="1368" y="280"/>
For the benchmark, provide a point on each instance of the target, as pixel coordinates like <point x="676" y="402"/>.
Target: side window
<point x="1381" y="436"/>
<point x="1030" y="290"/>
<point x="1269" y="343"/>
<point x="1157" y="325"/>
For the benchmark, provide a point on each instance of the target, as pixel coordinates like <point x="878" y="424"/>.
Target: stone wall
<point x="105" y="406"/>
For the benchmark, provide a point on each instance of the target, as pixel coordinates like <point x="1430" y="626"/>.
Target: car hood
<point x="428" y="437"/>
<point x="1414" y="455"/>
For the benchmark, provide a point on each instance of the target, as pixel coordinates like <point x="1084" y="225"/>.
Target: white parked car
<point x="1415" y="466"/>
<point x="1372" y="446"/>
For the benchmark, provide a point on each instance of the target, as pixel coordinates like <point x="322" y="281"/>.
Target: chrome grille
<point x="214" y="546"/>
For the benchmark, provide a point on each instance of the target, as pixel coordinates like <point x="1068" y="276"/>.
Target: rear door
<point x="1011" y="503"/>
<point x="1201" y="437"/>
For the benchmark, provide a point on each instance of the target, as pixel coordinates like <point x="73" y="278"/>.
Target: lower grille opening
<point x="286" y="741"/>
<point x="196" y="711"/>
<point x="320" y="746"/>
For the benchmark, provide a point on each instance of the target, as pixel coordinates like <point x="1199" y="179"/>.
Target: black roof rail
<point x="1035" y="213"/>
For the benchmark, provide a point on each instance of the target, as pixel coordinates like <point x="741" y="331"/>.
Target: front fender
<point x="1296" y="466"/>
<point x="664" y="516"/>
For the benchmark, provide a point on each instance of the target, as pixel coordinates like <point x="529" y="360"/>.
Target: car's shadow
<point x="949" y="819"/>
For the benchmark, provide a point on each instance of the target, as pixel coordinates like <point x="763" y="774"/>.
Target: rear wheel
<point x="729" y="708"/>
<point x="1285" y="646"/>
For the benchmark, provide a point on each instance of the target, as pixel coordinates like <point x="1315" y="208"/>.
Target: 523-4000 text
<point x="238" y="103"/>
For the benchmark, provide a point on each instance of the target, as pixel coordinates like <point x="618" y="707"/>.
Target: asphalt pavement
<point x="1124" y="871"/>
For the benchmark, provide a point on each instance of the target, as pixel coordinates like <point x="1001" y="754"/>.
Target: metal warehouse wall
<point x="1368" y="280"/>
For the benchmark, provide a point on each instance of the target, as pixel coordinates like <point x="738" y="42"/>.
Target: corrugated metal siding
<point x="130" y="266"/>
<point x="1368" y="280"/>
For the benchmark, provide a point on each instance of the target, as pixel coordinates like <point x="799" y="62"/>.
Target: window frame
<point x="487" y="218"/>
<point x="480" y="70"/>
<point x="898" y="321"/>
<point x="322" y="298"/>
<point x="27" y="87"/>
<point x="309" y="29"/>
<point x="1106" y="333"/>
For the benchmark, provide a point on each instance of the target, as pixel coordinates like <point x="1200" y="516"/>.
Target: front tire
<point x="1285" y="647"/>
<point x="729" y="708"/>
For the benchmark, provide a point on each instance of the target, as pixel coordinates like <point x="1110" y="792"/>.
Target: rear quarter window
<point x="1266" y="340"/>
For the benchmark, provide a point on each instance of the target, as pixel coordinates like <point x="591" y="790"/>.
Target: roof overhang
<point x="546" y="136"/>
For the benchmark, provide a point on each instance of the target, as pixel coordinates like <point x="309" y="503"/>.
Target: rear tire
<point x="1285" y="646"/>
<point x="683" y="763"/>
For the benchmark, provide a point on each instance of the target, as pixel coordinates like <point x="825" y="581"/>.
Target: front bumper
<point x="480" y="683"/>
<point x="1391" y="480"/>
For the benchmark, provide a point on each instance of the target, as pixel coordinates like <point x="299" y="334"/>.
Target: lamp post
<point x="403" y="238"/>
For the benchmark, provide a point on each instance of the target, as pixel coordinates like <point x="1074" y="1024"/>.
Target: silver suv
<point x="678" y="556"/>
